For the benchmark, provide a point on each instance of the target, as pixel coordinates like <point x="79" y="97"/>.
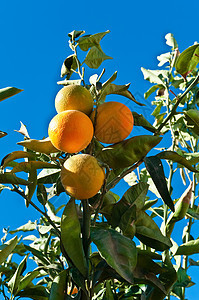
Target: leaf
<point x="23" y="130"/>
<point x="15" y="155"/>
<point x="8" y="92"/>
<point x="7" y="177"/>
<point x="95" y="57"/>
<point x="154" y="167"/>
<point x="42" y="194"/>
<point x="48" y="176"/>
<point x="111" y="79"/>
<point x="27" y="279"/>
<point x="14" y="281"/>
<point x="170" y="40"/>
<point x="75" y="34"/>
<point x="70" y="82"/>
<point x="164" y="58"/>
<point x="59" y="287"/>
<point x="30" y="226"/>
<point x="119" y="252"/>
<point x="68" y="66"/>
<point x="89" y="41"/>
<point x="139" y="120"/>
<point x="189" y="248"/>
<point x="152" y="90"/>
<point x="192" y="117"/>
<point x="37" y="292"/>
<point x="38" y="254"/>
<point x="71" y="237"/>
<point x="127" y="152"/>
<point x="33" y="165"/>
<point x="8" y="249"/>
<point x="151" y="75"/>
<point x="42" y="146"/>
<point x="187" y="60"/>
<point x="2" y="134"/>
<point x="175" y="157"/>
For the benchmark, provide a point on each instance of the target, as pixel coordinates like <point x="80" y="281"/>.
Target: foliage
<point x="110" y="247"/>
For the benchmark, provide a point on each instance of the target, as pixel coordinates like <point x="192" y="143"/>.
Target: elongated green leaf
<point x="38" y="254"/>
<point x="33" y="165"/>
<point x="14" y="281"/>
<point x="111" y="79"/>
<point x="175" y="157"/>
<point x="37" y="292"/>
<point x="42" y="194"/>
<point x="139" y="120"/>
<point x="27" y="279"/>
<point x="12" y="179"/>
<point x="71" y="237"/>
<point x="192" y="117"/>
<point x="95" y="57"/>
<point x="187" y="60"/>
<point x="89" y="41"/>
<point x="148" y="232"/>
<point x="188" y="248"/>
<point x="152" y="90"/>
<point x="127" y="152"/>
<point x="154" y="167"/>
<point x="118" y="251"/>
<point x="58" y="289"/>
<point x="8" y="249"/>
<point x="8" y="92"/>
<point x="15" y="155"/>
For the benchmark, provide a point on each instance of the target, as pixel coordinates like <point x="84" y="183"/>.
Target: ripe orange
<point x="70" y="131"/>
<point x="74" y="97"/>
<point x="114" y="122"/>
<point x="82" y="176"/>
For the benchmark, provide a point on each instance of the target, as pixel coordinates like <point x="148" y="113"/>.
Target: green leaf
<point x="148" y="232"/>
<point x="154" y="167"/>
<point x="30" y="165"/>
<point x="95" y="57"/>
<point x="38" y="254"/>
<point x="42" y="194"/>
<point x="175" y="157"/>
<point x="189" y="248"/>
<point x="58" y="288"/>
<point x="192" y="117"/>
<point x="30" y="226"/>
<point x="170" y="40"/>
<point x="27" y="279"/>
<point x="48" y="176"/>
<point x="139" y="120"/>
<point x="111" y="79"/>
<point x="9" y="246"/>
<point x="71" y="237"/>
<point x="119" y="252"/>
<point x="89" y="41"/>
<point x="15" y="155"/>
<point x="37" y="292"/>
<point x="187" y="60"/>
<point x="8" y="92"/>
<point x="75" y="34"/>
<point x="152" y="76"/>
<point x="12" y="179"/>
<point x="152" y="90"/>
<point x="14" y="281"/>
<point x="127" y="152"/>
<point x="68" y="66"/>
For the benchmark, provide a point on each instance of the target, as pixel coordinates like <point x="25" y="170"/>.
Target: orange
<point x="74" y="97"/>
<point x="82" y="176"/>
<point x="114" y="122"/>
<point x="70" y="131"/>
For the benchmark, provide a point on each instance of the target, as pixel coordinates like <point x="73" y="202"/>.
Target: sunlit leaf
<point x="71" y="237"/>
<point x="187" y="60"/>
<point x="42" y="146"/>
<point x="8" y="92"/>
<point x="188" y="248"/>
<point x="95" y="57"/>
<point x="14" y="281"/>
<point x="192" y="117"/>
<point x="33" y="165"/>
<point x="8" y="249"/>
<point x="152" y="76"/>
<point x="118" y="251"/>
<point x="15" y="155"/>
<point x="30" y="226"/>
<point x="23" y="130"/>
<point x="27" y="279"/>
<point x="58" y="289"/>
<point x="89" y="41"/>
<point x="2" y="134"/>
<point x="171" y="41"/>
<point x="139" y="120"/>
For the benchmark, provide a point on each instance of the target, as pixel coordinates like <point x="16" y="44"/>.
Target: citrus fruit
<point x="70" y="131"/>
<point x="74" y="97"/>
<point x="114" y="122"/>
<point x="82" y="176"/>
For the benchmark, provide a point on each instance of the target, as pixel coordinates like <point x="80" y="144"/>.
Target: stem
<point x="86" y="228"/>
<point x="179" y="99"/>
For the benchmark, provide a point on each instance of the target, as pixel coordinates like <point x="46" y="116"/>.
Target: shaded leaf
<point x="95" y="57"/>
<point x="154" y="167"/>
<point x="14" y="281"/>
<point x="71" y="237"/>
<point x="188" y="248"/>
<point x="119" y="252"/>
<point x="2" y="134"/>
<point x="68" y="66"/>
<point x="129" y="151"/>
<point x="175" y="157"/>
<point x="48" y="176"/>
<point x="37" y="292"/>
<point x="15" y="155"/>
<point x="42" y="146"/>
<point x="187" y="60"/>
<point x="8" y="249"/>
<point x="89" y="41"/>
<point x="192" y="117"/>
<point x="8" y="92"/>
<point x="42" y="194"/>
<point x="59" y="287"/>
<point x="139" y="120"/>
<point x="12" y="179"/>
<point x="148" y="232"/>
<point x="75" y="34"/>
<point x="27" y="279"/>
<point x="33" y="165"/>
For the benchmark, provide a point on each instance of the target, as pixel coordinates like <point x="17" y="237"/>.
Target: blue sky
<point x="34" y="44"/>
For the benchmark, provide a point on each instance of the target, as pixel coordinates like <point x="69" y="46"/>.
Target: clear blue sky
<point x="34" y="44"/>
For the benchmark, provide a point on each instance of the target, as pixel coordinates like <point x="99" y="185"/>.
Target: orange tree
<point x="107" y="247"/>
